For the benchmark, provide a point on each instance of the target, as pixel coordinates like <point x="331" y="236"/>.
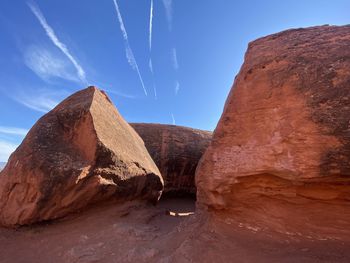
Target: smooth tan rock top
<point x="287" y="118"/>
<point x="79" y="153"/>
<point x="176" y="151"/>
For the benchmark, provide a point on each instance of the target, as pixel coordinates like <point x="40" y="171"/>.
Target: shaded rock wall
<point x="176" y="151"/>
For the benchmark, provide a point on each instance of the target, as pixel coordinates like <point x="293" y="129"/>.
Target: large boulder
<point x="176" y="151"/>
<point x="285" y="129"/>
<point x="80" y="153"/>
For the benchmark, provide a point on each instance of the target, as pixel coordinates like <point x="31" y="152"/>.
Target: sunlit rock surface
<point x="284" y="135"/>
<point x="80" y="153"/>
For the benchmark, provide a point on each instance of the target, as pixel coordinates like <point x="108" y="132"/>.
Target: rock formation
<point x="79" y="153"/>
<point x="285" y="130"/>
<point x="176" y="151"/>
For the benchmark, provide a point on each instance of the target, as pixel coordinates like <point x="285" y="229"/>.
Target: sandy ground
<point x="136" y="232"/>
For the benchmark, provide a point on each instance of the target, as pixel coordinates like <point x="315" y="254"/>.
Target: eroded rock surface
<point x="176" y="151"/>
<point x="285" y="129"/>
<point x="80" y="153"/>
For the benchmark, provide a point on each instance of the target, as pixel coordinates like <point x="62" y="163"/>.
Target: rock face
<point x="176" y="151"/>
<point x="80" y="153"/>
<point x="285" y="129"/>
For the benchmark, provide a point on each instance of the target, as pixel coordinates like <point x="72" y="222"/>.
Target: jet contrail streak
<point x="53" y="37"/>
<point x="150" y="25"/>
<point x="129" y="53"/>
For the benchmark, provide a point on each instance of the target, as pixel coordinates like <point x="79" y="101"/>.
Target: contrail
<point x="129" y="54"/>
<point x="172" y="116"/>
<point x="120" y="94"/>
<point x="150" y="25"/>
<point x="176" y="67"/>
<point x="155" y="91"/>
<point x="150" y="64"/>
<point x="177" y="87"/>
<point x="175" y="62"/>
<point x="52" y="35"/>
<point x="168" y="11"/>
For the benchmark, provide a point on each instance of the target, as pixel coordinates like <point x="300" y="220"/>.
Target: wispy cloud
<point x="53" y="37"/>
<point x="6" y="148"/>
<point x="13" y="130"/>
<point x="173" y="119"/>
<point x="120" y="94"/>
<point x="41" y="104"/>
<point x="41" y="100"/>
<point x="174" y="57"/>
<point x="129" y="53"/>
<point x="177" y="87"/>
<point x="169" y="12"/>
<point x="150" y="25"/>
<point x="48" y="65"/>
<point x="9" y="135"/>
<point x="9" y="138"/>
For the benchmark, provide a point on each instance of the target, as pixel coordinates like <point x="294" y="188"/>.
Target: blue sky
<point x="162" y="61"/>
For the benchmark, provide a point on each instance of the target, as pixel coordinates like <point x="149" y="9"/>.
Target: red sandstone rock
<point x="80" y="153"/>
<point x="285" y="129"/>
<point x="176" y="151"/>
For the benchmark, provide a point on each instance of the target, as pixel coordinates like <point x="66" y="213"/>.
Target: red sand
<point x="136" y="232"/>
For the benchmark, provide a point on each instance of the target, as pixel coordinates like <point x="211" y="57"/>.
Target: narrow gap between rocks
<point x="178" y="204"/>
